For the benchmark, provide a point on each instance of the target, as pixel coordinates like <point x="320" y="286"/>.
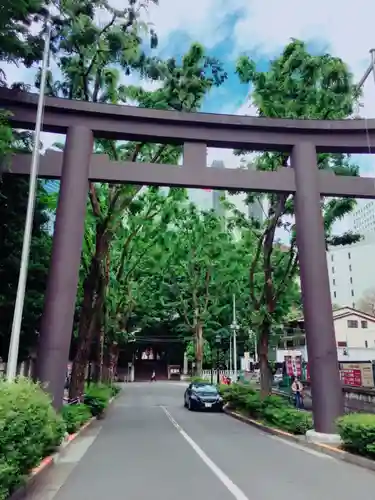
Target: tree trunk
<point x="91" y="311"/>
<point x="86" y="335"/>
<point x="265" y="372"/>
<point x="198" y="349"/>
<point x="113" y="360"/>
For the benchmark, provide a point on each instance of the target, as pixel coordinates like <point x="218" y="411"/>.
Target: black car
<point x="203" y="396"/>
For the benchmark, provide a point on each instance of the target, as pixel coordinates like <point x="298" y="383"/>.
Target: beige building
<point x="354" y="331"/>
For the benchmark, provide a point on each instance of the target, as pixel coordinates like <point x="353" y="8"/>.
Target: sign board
<point x="351" y="377"/>
<point x="293" y="365"/>
<point x="357" y="374"/>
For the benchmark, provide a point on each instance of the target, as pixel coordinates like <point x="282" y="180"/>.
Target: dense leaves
<point x="301" y="85"/>
<point x="13" y="203"/>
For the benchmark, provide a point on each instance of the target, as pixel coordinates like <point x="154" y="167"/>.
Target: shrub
<point x="273" y="410"/>
<point x="115" y="389"/>
<point x="357" y="431"/>
<point x="97" y="397"/>
<point x="30" y="430"/>
<point x="198" y="380"/>
<point x="75" y="416"/>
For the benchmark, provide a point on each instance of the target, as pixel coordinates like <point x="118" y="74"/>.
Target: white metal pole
<point x="18" y="309"/>
<point x="235" y="354"/>
<point x="234" y="339"/>
<point x="230" y="354"/>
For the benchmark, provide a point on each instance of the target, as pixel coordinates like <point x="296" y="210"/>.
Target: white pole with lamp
<point x="234" y="328"/>
<point x="22" y="280"/>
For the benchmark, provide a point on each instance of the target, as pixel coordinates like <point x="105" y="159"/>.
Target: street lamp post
<point x="217" y="340"/>
<point x="230" y="354"/>
<point x="234" y="326"/>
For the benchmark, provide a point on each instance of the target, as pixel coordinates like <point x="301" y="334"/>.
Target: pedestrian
<point x="297" y="389"/>
<point x="153" y="377"/>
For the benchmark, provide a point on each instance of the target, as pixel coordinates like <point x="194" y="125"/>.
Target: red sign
<point x="293" y="366"/>
<point x="351" y="377"/>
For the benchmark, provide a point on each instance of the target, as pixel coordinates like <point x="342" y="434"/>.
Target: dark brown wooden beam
<point x="282" y="181"/>
<point x="221" y="131"/>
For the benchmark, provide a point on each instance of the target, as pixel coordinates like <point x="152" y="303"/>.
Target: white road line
<point x="301" y="447"/>
<point x="228" y="483"/>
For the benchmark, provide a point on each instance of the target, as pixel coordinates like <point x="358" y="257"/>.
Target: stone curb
<point x="40" y="471"/>
<point x="336" y="453"/>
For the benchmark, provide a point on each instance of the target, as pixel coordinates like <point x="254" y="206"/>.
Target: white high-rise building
<point x="363" y="218"/>
<point x="351" y="271"/>
<point x="207" y="199"/>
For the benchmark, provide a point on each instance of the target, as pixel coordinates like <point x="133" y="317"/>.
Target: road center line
<point x="228" y="483"/>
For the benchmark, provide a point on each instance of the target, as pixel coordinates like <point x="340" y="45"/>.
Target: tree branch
<point x="95" y="205"/>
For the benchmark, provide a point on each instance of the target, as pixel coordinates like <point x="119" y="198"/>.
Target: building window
<point x="364" y="324"/>
<point x="334" y="282"/>
<point x="352" y="293"/>
<point x="331" y="258"/>
<point x="334" y="294"/>
<point x="333" y="270"/>
<point x="349" y="257"/>
<point x="351" y="280"/>
<point x="366" y="343"/>
<point x="352" y="323"/>
<point x="342" y="343"/>
<point x="350" y="267"/>
<point x="353" y="305"/>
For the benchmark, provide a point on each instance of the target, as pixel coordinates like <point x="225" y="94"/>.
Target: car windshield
<point x="205" y="388"/>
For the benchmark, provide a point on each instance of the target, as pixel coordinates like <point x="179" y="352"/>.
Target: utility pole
<point x="22" y="280"/>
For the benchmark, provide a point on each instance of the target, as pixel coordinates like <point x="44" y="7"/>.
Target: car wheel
<point x="185" y="403"/>
<point x="190" y="406"/>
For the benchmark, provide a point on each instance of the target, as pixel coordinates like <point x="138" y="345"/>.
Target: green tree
<point x="301" y="85"/>
<point x="13" y="203"/>
<point x="17" y="42"/>
<point x="92" y="60"/>
<point x="203" y="270"/>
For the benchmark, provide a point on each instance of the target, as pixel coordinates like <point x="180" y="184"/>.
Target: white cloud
<point x="265" y="26"/>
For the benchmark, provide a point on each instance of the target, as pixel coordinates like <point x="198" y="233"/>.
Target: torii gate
<point x="302" y="139"/>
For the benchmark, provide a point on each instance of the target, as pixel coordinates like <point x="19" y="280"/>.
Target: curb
<point x="38" y="472"/>
<point x="336" y="453"/>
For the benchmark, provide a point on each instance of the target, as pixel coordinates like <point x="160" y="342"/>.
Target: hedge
<point x="273" y="410"/>
<point x="75" y="416"/>
<point x="30" y="430"/>
<point x="357" y="432"/>
<point x="97" y="397"/>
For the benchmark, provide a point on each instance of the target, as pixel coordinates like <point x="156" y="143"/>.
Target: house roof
<point x="343" y="312"/>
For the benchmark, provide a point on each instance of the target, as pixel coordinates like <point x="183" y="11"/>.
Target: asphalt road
<point x="150" y="447"/>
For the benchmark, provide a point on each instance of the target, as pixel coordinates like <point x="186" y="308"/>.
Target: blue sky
<point x="260" y="29"/>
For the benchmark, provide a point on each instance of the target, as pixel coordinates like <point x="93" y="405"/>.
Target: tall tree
<point x="93" y="60"/>
<point x="18" y="43"/>
<point x="203" y="269"/>
<point x="302" y="85"/>
<point x="13" y="203"/>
